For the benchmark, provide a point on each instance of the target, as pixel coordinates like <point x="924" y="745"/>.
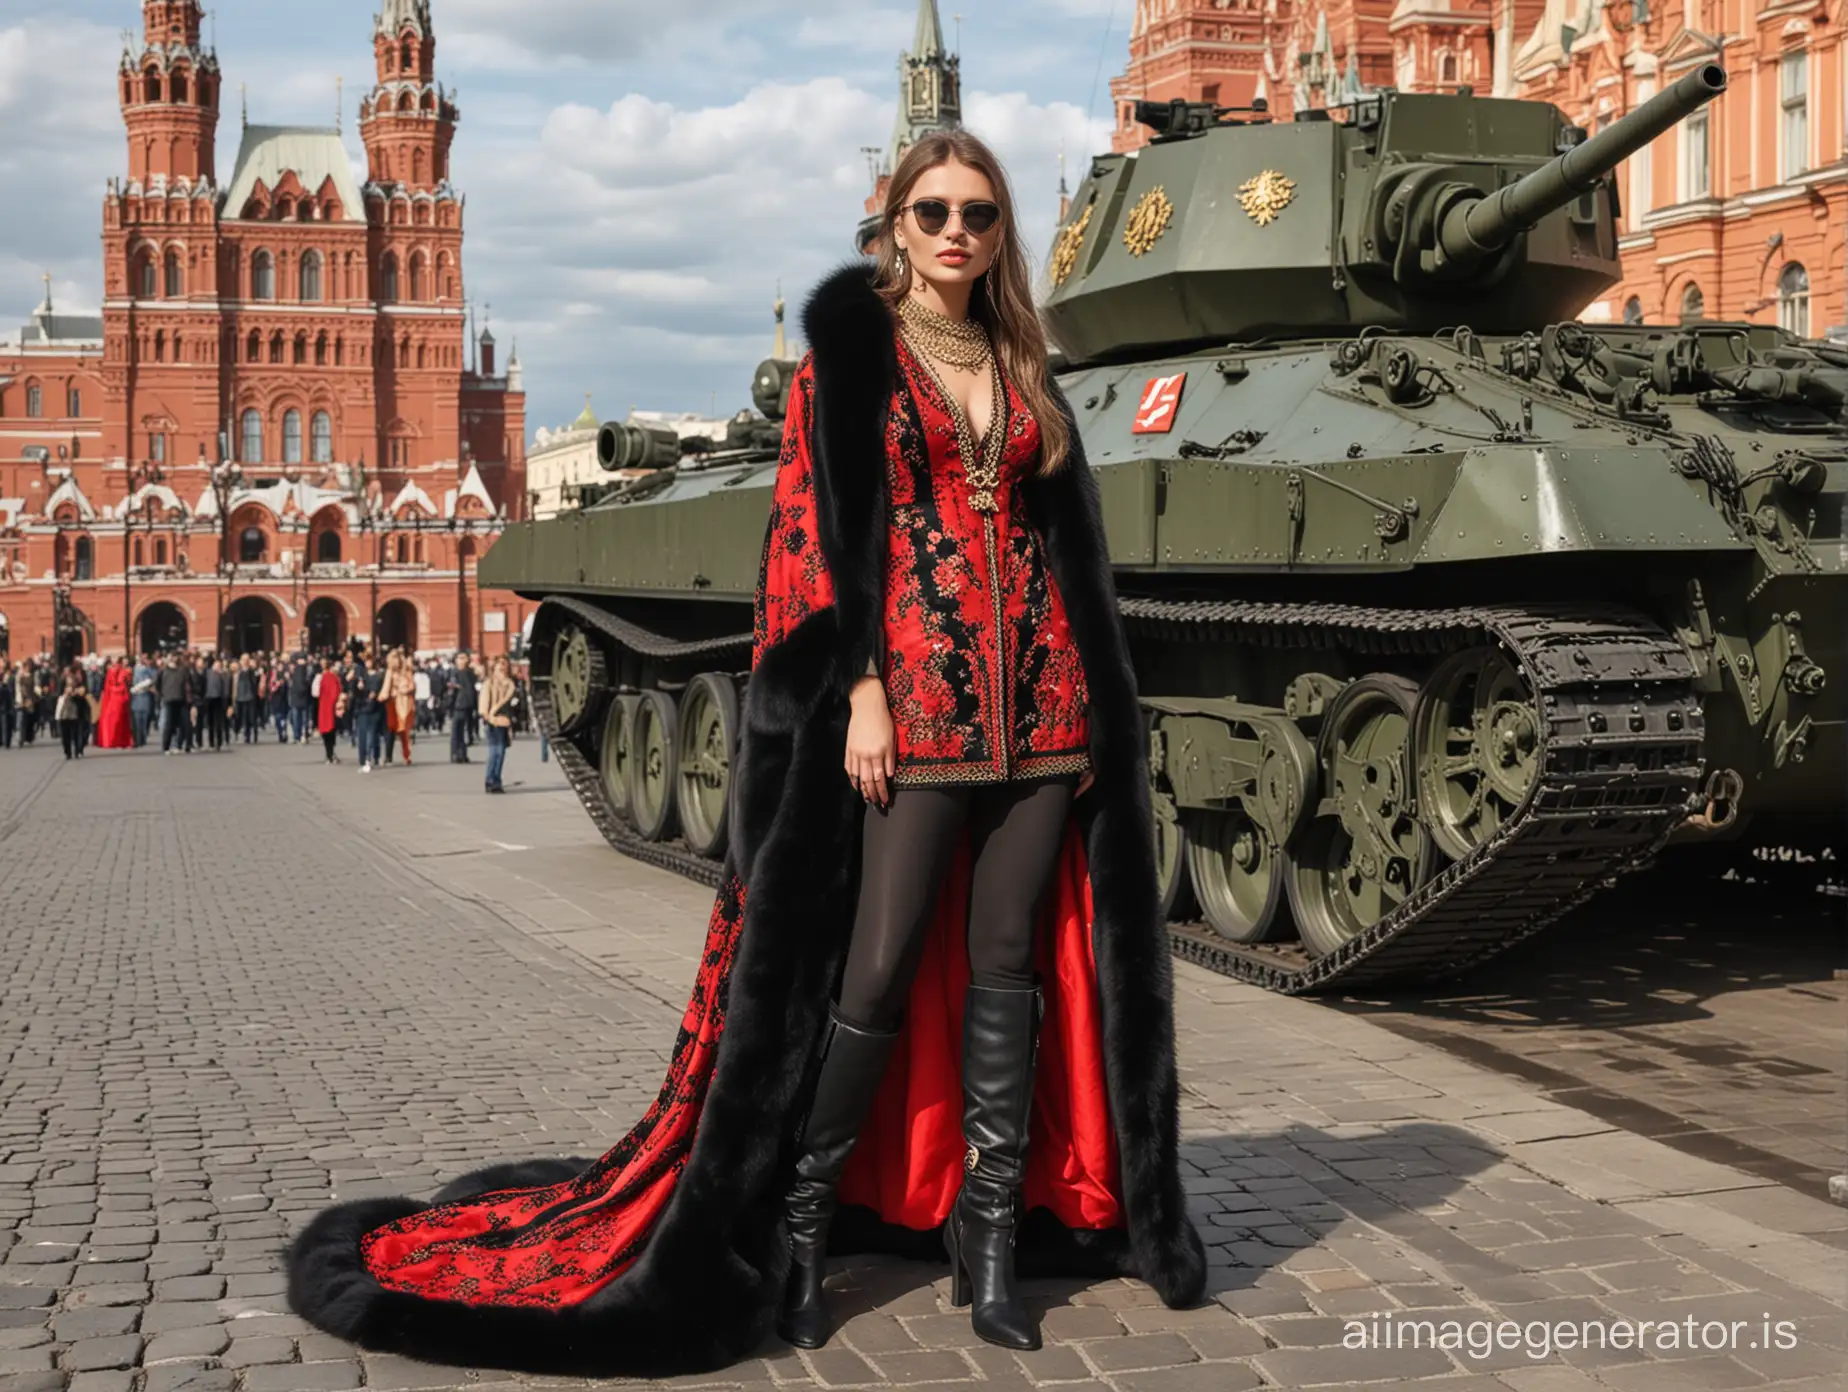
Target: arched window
<point x="404" y="352"/>
<point x="262" y="277"/>
<point x="285" y="209"/>
<point x="320" y="351"/>
<point x="250" y="448"/>
<point x="160" y="345"/>
<point x="417" y="166"/>
<point x="419" y="277"/>
<point x="420" y="355"/>
<point x="405" y="103"/>
<point x="179" y="354"/>
<point x="301" y="348"/>
<point x="404" y="550"/>
<point x="1632" y="311"/>
<point x="160" y="551"/>
<point x="405" y="58"/>
<point x="327" y="548"/>
<point x="292" y="437"/>
<point x="1693" y="304"/>
<point x="1447" y="68"/>
<point x="388" y="279"/>
<point x="276" y="346"/>
<point x="179" y="86"/>
<point x="311" y="278"/>
<point x="253" y="347"/>
<point x="250" y="546"/>
<point x="86" y="559"/>
<point x="176" y="281"/>
<point x="339" y="352"/>
<point x="153" y="84"/>
<point x="147" y="277"/>
<point x="140" y="552"/>
<point x="321" y="437"/>
<point x="1793" y="298"/>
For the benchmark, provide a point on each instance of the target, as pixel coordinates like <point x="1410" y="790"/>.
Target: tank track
<point x="1622" y="763"/>
<point x="1621" y="768"/>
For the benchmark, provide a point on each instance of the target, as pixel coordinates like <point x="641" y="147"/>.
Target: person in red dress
<point x="330" y="705"/>
<point x="933" y="1015"/>
<point x="114" y="729"/>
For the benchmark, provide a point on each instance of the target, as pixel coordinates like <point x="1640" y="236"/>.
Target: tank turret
<point x="1414" y="213"/>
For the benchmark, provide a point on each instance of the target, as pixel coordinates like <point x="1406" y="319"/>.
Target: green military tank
<point x="1447" y="610"/>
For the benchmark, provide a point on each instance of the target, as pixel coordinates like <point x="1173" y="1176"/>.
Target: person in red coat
<point x="114" y="729"/>
<point x="330" y="705"/>
<point x="934" y="1010"/>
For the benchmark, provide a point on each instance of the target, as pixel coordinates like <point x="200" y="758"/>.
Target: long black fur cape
<point x="704" y="1291"/>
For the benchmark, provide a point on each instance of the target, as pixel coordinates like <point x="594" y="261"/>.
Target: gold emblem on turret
<point x="1147" y="221"/>
<point x="1266" y="195"/>
<point x="1065" y="250"/>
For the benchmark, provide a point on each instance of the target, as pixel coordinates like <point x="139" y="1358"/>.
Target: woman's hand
<point x="872" y="746"/>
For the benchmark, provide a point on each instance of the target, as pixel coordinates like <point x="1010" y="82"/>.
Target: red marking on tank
<point x="1161" y="401"/>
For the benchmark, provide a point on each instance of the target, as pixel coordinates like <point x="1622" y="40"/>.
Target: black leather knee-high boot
<point x="1000" y="1038"/>
<point x="852" y="1062"/>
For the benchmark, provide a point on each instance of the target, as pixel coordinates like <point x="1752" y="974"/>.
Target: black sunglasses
<point x="933" y="215"/>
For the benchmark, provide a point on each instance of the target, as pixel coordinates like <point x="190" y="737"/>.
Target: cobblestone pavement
<point x="1705" y="1014"/>
<point x="232" y="987"/>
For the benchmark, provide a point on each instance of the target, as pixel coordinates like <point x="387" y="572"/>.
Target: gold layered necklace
<point x="957" y="342"/>
<point x="964" y="344"/>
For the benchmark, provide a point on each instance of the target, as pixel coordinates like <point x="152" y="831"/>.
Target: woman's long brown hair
<point x="1003" y="298"/>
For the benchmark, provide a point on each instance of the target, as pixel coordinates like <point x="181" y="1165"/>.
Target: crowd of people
<point x="375" y="702"/>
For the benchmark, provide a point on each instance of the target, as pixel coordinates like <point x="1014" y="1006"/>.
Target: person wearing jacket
<point x="496" y="697"/>
<point x="142" y="698"/>
<point x="301" y="697"/>
<point x="244" y="696"/>
<point x="73" y="713"/>
<point x="464" y="697"/>
<point x="172" y="686"/>
<point x="276" y="694"/>
<point x="216" y="693"/>
<point x="25" y="702"/>
<point x="917" y="877"/>
<point x="6" y="704"/>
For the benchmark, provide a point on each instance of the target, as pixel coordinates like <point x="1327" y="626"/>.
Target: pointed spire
<point x="46" y="307"/>
<point x="394" y="15"/>
<point x="928" y="42"/>
<point x="339" y="101"/>
<point x="780" y="350"/>
<point x="243" y="99"/>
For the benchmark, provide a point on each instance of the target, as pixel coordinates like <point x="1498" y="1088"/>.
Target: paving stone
<point x="929" y="1365"/>
<point x="1135" y="1352"/>
<point x="27" y="1360"/>
<point x="245" y="1353"/>
<point x="205" y="1341"/>
<point x="302" y="1377"/>
<point x="162" y="1316"/>
<point x="86" y="1323"/>
<point x="115" y="1380"/>
<point x="26" y="1297"/>
<point x="840" y="1368"/>
<point x="188" y="1377"/>
<point x="119" y="1351"/>
<point x="190" y="1288"/>
<point x="1201" y="1377"/>
<point x="1302" y="1367"/>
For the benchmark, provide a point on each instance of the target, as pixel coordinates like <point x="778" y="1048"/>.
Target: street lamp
<point x="226" y="477"/>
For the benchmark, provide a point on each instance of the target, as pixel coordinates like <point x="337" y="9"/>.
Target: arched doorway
<point x="327" y="627"/>
<point x="162" y="628"/>
<point x="252" y="625"/>
<point x="396" y="626"/>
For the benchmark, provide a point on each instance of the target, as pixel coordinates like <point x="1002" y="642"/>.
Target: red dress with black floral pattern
<point x="981" y="673"/>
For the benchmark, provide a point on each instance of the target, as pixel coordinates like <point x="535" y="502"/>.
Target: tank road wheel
<point x="614" y="756"/>
<point x="1237" y="875"/>
<point x="1476" y="748"/>
<point x="708" y="738"/>
<point x="654" y="754"/>
<point x="1176" y="896"/>
<point x="579" y="679"/>
<point x="1362" y="860"/>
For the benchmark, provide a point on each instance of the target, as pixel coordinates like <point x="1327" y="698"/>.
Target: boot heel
<point x="960" y="1293"/>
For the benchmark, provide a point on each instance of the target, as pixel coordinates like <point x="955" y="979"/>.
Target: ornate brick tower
<point x="929" y="99"/>
<point x="170" y="96"/>
<point x="408" y="123"/>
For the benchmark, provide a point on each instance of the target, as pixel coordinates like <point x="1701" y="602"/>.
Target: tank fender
<point x="1522" y="499"/>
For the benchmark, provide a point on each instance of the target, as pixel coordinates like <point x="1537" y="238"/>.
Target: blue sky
<point x="640" y="174"/>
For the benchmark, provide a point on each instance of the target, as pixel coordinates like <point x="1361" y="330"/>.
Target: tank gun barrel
<point x="1473" y="231"/>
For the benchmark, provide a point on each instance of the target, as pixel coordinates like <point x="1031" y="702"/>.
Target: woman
<point x="73" y="714"/>
<point x="943" y="625"/>
<point x="496" y="701"/>
<point x="330" y="707"/>
<point x="114" y="727"/>
<point x="399" y="699"/>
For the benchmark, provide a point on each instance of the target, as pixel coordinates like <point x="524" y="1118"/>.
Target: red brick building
<point x="280" y="431"/>
<point x="1741" y="213"/>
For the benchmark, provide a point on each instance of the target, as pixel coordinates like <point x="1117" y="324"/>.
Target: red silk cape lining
<point x="559" y="1244"/>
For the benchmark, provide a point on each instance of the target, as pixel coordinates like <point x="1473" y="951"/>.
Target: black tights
<point x="1014" y="835"/>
